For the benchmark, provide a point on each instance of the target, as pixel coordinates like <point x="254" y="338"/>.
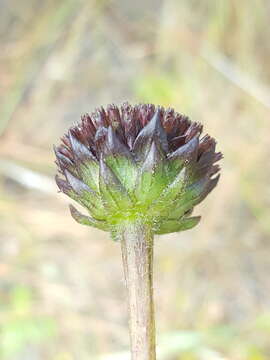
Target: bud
<point x="137" y="162"/>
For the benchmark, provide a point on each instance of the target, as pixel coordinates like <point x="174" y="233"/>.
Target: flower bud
<point x="135" y="162"/>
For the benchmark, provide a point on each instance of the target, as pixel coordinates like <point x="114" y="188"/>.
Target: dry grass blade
<point x="27" y="178"/>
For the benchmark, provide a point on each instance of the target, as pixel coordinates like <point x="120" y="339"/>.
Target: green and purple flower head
<point x="137" y="162"/>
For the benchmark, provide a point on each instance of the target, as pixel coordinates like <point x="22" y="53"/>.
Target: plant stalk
<point x="137" y="254"/>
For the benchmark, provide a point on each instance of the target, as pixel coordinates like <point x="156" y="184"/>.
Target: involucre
<point x="132" y="162"/>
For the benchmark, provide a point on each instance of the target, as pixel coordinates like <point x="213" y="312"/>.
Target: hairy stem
<point x="137" y="253"/>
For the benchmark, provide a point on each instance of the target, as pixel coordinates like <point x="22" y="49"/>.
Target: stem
<point x="137" y="254"/>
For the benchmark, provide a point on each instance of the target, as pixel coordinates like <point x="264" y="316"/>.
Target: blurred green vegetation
<point x="20" y="327"/>
<point x="207" y="59"/>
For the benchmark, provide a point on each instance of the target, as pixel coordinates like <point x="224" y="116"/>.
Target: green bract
<point x="137" y="162"/>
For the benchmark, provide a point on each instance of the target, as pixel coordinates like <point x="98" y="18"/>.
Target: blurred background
<point x="62" y="293"/>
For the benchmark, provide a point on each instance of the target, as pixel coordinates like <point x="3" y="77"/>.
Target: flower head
<point x="139" y="161"/>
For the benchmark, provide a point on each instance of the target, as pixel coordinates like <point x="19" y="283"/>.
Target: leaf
<point x="120" y="160"/>
<point x="63" y="161"/>
<point x="113" y="193"/>
<point x="89" y="199"/>
<point x="188" y="151"/>
<point x="86" y="220"/>
<point x="152" y="178"/>
<point x="80" y="151"/>
<point x="89" y="172"/>
<point x="77" y="185"/>
<point x="169" y="194"/>
<point x="153" y="131"/>
<point x="169" y="226"/>
<point x="185" y="200"/>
